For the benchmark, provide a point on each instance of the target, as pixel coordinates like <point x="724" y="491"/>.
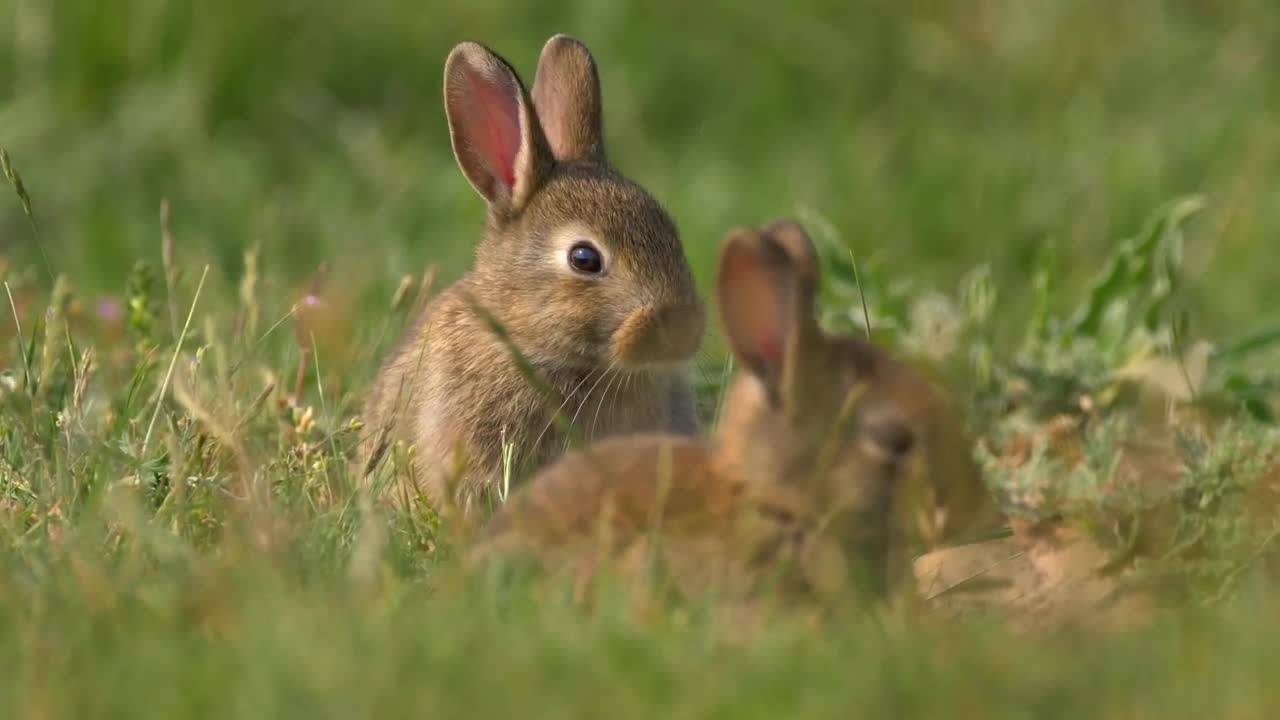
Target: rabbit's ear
<point x="495" y="133"/>
<point x="566" y="93"/>
<point x="766" y="286"/>
<point x="756" y="291"/>
<point x="790" y="235"/>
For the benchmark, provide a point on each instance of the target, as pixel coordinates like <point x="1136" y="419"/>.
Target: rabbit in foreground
<point x="825" y="445"/>
<point x="579" y="267"/>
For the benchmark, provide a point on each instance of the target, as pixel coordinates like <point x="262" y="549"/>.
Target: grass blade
<point x="173" y="361"/>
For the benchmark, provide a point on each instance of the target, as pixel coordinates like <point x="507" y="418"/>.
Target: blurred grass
<point x="994" y="152"/>
<point x="941" y="135"/>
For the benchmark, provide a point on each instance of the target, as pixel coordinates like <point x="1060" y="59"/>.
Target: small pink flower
<point x="109" y="309"/>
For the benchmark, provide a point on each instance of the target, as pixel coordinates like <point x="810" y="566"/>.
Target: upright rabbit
<point x="825" y="443"/>
<point x="579" y="270"/>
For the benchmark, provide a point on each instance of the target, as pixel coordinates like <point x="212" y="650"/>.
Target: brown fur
<point x="824" y="443"/>
<point x="609" y="348"/>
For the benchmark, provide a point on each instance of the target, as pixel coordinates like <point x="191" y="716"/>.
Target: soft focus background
<point x="938" y="134"/>
<point x="1053" y="201"/>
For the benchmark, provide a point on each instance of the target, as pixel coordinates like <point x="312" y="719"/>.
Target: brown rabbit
<point x="580" y="272"/>
<point x="817" y="454"/>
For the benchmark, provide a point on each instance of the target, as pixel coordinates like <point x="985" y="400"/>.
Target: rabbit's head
<point x="583" y="266"/>
<point x="813" y="421"/>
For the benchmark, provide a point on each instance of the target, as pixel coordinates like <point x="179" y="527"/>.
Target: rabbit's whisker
<point x="568" y="397"/>
<point x="600" y="404"/>
<point x="620" y="392"/>
<point x="586" y="398"/>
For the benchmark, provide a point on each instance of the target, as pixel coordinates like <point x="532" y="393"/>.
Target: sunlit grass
<point x="217" y="218"/>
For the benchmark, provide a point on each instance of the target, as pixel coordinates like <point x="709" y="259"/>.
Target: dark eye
<point x="892" y="436"/>
<point x="585" y="259"/>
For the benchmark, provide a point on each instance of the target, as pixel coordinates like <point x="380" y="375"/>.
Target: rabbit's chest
<point x="602" y="405"/>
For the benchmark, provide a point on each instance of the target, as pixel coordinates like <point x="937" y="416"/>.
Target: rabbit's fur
<point x="524" y="335"/>
<point x="826" y="450"/>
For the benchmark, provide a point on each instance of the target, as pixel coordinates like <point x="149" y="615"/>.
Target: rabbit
<point x="1044" y="576"/>
<point x="580" y="300"/>
<point x="824" y="441"/>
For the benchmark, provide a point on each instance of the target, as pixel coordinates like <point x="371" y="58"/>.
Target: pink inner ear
<point x="494" y="111"/>
<point x="770" y="348"/>
<point x="754" y="308"/>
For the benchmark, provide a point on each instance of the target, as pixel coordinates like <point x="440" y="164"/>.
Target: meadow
<point x="215" y="218"/>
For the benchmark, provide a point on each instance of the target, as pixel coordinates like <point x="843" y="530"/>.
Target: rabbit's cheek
<point x="863" y="536"/>
<point x="558" y="325"/>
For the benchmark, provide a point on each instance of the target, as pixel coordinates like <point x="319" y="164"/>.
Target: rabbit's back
<point x="622" y="486"/>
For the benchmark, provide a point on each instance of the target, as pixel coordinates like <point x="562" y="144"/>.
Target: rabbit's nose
<point x="666" y="334"/>
<point x="679" y="328"/>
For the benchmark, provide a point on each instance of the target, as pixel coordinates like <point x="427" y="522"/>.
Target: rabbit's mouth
<point x="656" y="337"/>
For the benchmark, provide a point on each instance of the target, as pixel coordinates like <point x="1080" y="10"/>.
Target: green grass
<point x="1054" y="203"/>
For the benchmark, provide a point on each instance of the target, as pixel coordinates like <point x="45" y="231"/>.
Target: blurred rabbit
<point x="826" y="447"/>
<point x="580" y="300"/>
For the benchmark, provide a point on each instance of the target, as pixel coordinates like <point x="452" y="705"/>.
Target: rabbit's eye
<point x="585" y="259"/>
